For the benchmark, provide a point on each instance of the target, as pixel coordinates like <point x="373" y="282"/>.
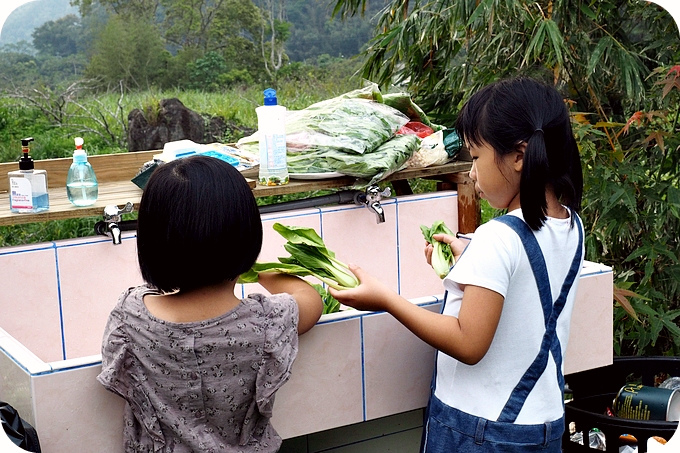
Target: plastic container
<point x="28" y="186"/>
<point x="82" y="187"/>
<point x="594" y="392"/>
<point x="272" y="137"/>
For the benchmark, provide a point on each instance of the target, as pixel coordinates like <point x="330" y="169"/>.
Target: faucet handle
<point x="373" y="193"/>
<point x="386" y="193"/>
<point x="112" y="213"/>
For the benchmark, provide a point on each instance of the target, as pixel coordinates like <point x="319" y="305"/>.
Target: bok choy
<point x="442" y="256"/>
<point x="308" y="256"/>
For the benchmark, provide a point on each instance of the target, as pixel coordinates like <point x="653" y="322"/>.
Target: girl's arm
<point x="308" y="299"/>
<point x="466" y="338"/>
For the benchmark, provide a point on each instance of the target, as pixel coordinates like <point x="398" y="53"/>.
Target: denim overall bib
<point x="448" y="429"/>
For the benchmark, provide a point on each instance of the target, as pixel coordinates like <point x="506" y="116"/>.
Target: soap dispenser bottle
<point x="271" y="128"/>
<point x="27" y="186"/>
<point x="82" y="188"/>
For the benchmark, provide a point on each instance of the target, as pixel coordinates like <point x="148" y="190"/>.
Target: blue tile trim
<point x="59" y="302"/>
<point x="292" y="214"/>
<point x="363" y="368"/>
<point x="14" y="359"/>
<point x="69" y="368"/>
<point x="398" y="250"/>
<point x="16" y="252"/>
<point x="434" y="195"/>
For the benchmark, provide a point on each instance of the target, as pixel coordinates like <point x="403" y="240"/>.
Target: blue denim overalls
<point x="448" y="429"/>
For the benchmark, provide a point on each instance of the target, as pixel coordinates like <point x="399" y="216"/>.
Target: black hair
<point x="198" y="225"/>
<point x="509" y="112"/>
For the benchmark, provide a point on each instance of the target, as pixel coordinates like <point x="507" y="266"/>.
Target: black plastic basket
<point x="594" y="391"/>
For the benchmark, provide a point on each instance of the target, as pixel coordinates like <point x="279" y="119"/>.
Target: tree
<point x="600" y="52"/>
<point x="128" y="51"/>
<point x="58" y="37"/>
<point x="191" y="28"/>
<point x="275" y="32"/>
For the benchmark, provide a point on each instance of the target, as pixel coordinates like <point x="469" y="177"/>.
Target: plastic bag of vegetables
<point x="355" y="122"/>
<point x="372" y="166"/>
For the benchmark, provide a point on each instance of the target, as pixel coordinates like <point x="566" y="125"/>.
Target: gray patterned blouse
<point x="202" y="387"/>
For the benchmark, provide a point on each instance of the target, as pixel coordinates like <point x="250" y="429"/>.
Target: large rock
<point x="174" y="122"/>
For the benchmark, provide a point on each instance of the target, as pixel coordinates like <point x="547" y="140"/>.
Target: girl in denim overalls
<point x="502" y="334"/>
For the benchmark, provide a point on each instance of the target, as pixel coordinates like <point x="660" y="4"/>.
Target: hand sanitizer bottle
<point x="272" y="135"/>
<point x="82" y="188"/>
<point x="28" y="186"/>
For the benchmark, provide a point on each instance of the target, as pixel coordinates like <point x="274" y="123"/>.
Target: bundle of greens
<point x="351" y="134"/>
<point x="308" y="256"/>
<point x="355" y="123"/>
<point x="442" y="256"/>
<point x="374" y="166"/>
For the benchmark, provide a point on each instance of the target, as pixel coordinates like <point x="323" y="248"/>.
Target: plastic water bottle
<point x="81" y="183"/>
<point x="272" y="134"/>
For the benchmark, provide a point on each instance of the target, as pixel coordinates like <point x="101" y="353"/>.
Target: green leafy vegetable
<point x="330" y="303"/>
<point x="442" y="256"/>
<point x="308" y="256"/>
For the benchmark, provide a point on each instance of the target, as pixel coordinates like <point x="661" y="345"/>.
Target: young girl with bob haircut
<point x="197" y="366"/>
<point x="500" y="339"/>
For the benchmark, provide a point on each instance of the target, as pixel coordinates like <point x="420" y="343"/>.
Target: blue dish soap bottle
<point x="82" y="187"/>
<point x="28" y="186"/>
<point x="271" y="128"/>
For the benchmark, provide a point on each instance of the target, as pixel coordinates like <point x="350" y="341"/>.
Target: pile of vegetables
<point x="387" y="158"/>
<point x="353" y="134"/>
<point x="308" y="256"/>
<point x="442" y="256"/>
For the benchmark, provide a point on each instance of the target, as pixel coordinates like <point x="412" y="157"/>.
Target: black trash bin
<point x="594" y="391"/>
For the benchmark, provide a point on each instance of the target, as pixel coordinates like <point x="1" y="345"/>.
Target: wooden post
<point x="469" y="211"/>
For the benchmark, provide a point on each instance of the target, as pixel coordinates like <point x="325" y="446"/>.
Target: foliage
<point x="128" y="52"/>
<point x="314" y="32"/>
<point x="631" y="209"/>
<point x="61" y="37"/>
<point x="444" y="50"/>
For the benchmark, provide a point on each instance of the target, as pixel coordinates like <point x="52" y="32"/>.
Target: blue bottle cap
<point x="270" y="96"/>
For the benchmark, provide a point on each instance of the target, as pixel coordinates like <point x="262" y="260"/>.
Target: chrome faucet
<point x="371" y="198"/>
<point x="112" y="217"/>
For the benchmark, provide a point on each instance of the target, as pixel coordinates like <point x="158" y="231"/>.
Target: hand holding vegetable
<point x="438" y="252"/>
<point x="370" y="295"/>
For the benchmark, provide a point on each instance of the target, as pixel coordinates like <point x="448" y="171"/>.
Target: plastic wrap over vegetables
<point x="374" y="166"/>
<point x="338" y="134"/>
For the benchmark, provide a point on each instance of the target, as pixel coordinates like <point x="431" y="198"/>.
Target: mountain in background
<point x="26" y="18"/>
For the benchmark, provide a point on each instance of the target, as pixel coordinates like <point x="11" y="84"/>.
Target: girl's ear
<point x="518" y="159"/>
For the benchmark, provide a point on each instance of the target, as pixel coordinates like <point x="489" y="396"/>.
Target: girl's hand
<point x="370" y="295"/>
<point x="457" y="245"/>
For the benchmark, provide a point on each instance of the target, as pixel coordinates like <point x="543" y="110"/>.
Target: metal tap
<point x="371" y="199"/>
<point x="112" y="218"/>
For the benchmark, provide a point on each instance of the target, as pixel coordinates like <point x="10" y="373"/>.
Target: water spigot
<point x="112" y="218"/>
<point x="371" y="198"/>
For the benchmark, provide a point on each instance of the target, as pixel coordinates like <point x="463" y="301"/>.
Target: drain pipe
<point x="340" y="197"/>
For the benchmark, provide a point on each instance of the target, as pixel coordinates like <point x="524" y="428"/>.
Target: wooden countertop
<point x="115" y="171"/>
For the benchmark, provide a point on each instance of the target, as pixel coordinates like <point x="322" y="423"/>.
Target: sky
<point x="7" y="6"/>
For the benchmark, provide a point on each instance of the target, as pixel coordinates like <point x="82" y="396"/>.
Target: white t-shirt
<point x="495" y="259"/>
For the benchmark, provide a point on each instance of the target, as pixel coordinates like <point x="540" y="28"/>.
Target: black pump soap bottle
<point x="27" y="186"/>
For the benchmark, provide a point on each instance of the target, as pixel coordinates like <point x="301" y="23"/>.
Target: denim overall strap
<point x="551" y="313"/>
